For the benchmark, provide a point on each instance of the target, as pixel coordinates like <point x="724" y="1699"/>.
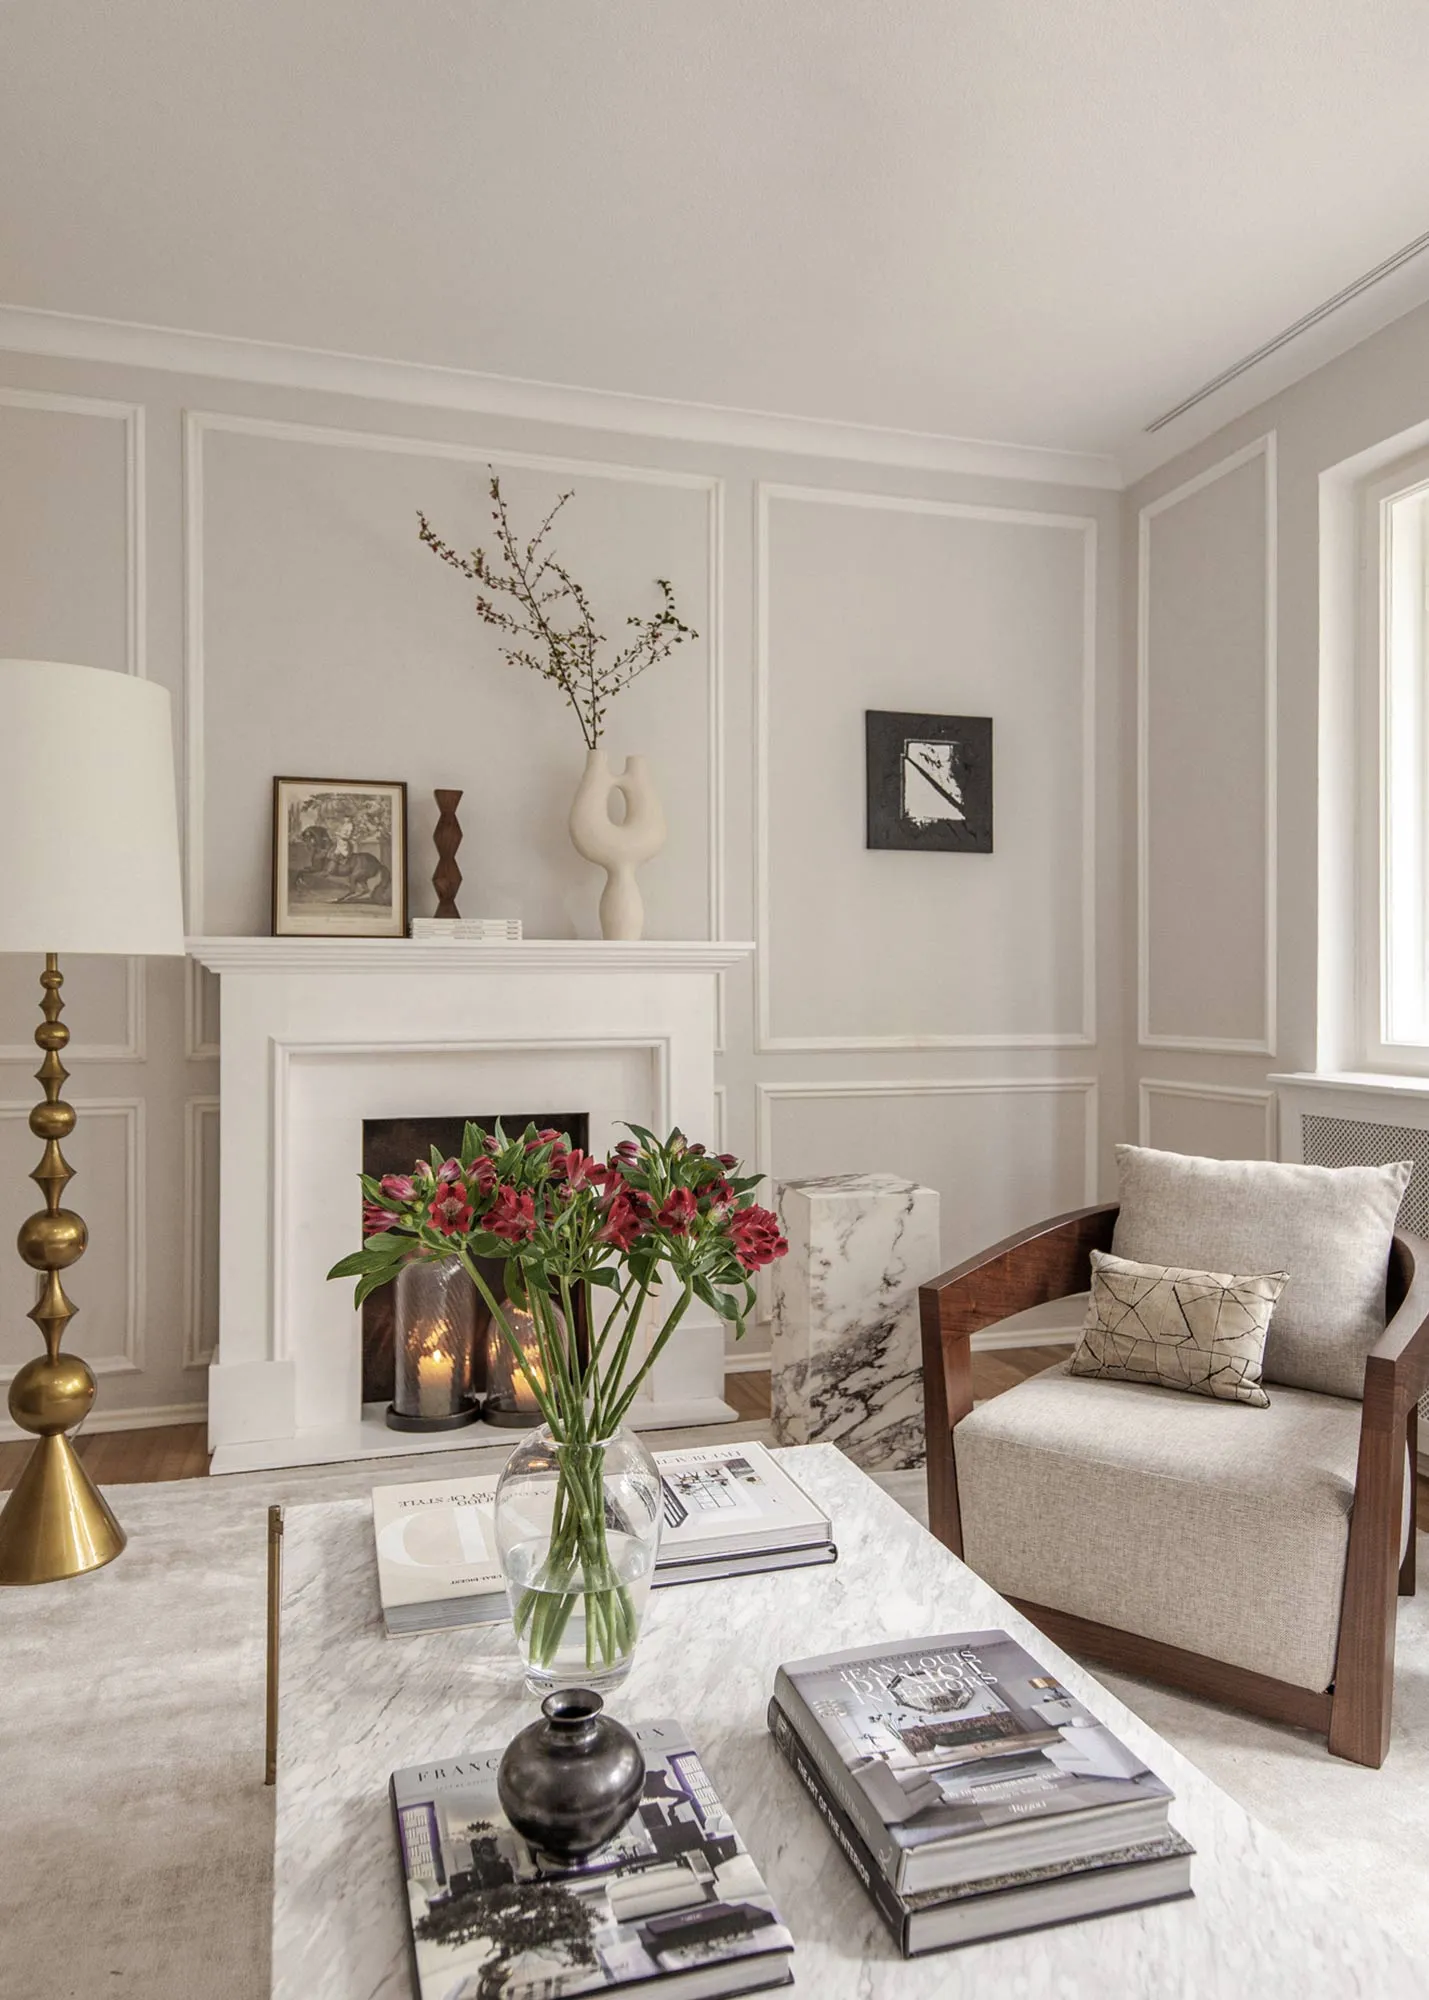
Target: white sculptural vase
<point x="618" y="846"/>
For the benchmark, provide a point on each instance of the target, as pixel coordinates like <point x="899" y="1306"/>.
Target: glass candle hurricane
<point x="435" y="1327"/>
<point x="510" y="1397"/>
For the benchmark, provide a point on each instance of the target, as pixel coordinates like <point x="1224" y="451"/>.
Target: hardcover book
<point x="1000" y="1905"/>
<point x="729" y="1510"/>
<point x="959" y="1757"/>
<point x="673" y="1906"/>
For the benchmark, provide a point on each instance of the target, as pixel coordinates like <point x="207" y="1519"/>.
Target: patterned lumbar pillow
<point x="1198" y="1330"/>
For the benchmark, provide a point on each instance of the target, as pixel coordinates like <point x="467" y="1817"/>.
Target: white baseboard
<point x="123" y="1420"/>
<point x="745" y="1363"/>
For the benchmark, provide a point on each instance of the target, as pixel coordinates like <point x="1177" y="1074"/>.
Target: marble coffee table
<point x="357" y="1705"/>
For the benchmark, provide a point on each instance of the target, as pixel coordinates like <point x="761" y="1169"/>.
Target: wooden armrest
<point x="1397" y="1366"/>
<point x="1032" y="1268"/>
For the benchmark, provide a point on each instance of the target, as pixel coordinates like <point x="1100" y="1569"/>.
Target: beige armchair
<point x="1250" y="1556"/>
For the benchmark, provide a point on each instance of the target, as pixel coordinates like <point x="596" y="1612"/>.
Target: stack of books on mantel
<point x="730" y="1510"/>
<point x="673" y="1906"/>
<point x="972" y="1794"/>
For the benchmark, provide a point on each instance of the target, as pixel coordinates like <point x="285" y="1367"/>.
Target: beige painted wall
<point x="1258" y="517"/>
<point x="956" y="1018"/>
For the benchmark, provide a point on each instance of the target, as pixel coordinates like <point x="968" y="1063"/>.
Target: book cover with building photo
<point x="672" y="1906"/>
<point x="960" y="1754"/>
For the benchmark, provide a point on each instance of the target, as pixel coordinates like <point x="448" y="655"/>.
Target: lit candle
<point x="524" y="1328"/>
<point x="436" y="1379"/>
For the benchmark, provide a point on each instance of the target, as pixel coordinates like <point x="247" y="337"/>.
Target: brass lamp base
<point x="56" y="1523"/>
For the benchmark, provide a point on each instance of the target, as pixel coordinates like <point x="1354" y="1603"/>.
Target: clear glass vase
<point x="578" y="1532"/>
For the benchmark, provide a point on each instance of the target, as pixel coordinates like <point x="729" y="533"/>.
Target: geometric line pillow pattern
<point x="1201" y="1331"/>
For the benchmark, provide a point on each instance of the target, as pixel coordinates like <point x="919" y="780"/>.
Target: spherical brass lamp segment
<point x="55" y="1523"/>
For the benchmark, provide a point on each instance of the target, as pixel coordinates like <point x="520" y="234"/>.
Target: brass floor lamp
<point x="89" y="862"/>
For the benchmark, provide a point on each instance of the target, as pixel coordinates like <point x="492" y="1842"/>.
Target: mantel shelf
<point x="396" y="955"/>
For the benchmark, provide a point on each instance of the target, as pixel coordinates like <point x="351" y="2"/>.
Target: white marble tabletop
<point x="357" y="1705"/>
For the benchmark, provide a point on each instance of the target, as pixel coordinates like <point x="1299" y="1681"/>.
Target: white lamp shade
<point x="88" y="825"/>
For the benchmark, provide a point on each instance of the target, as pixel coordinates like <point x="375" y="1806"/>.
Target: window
<point x="1395" y="881"/>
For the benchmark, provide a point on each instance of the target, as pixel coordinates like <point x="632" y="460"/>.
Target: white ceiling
<point x="1034" y="221"/>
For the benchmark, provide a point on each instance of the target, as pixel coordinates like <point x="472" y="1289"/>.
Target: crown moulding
<point x="173" y="350"/>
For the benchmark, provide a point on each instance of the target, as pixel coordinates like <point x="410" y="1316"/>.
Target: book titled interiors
<point x="1002" y="1904"/>
<point x="728" y="1510"/>
<point x="673" y="1906"/>
<point x="960" y="1757"/>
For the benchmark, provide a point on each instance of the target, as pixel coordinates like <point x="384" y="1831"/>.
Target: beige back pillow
<point x="1202" y="1331"/>
<point x="1329" y="1227"/>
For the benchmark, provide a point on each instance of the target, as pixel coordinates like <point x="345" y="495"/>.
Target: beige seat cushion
<point x="1211" y="1526"/>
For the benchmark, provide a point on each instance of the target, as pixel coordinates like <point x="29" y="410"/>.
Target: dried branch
<point x="550" y="623"/>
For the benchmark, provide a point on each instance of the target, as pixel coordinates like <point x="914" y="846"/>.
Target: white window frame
<point x="1392" y="929"/>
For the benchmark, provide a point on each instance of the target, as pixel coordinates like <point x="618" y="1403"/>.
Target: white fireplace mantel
<point x="318" y="1034"/>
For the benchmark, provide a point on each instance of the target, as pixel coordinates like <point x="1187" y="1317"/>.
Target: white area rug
<point x="136" y="1851"/>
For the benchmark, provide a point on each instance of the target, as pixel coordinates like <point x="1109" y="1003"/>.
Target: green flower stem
<point x="607" y="1388"/>
<point x="543" y="1402"/>
<point x="657" y="1347"/>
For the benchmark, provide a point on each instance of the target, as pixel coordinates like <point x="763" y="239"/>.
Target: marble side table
<point x="847" y="1358"/>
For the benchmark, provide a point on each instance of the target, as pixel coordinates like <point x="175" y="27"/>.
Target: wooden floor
<point x="180" y="1451"/>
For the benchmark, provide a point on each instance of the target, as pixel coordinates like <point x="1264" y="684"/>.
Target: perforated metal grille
<point x="1354" y="1142"/>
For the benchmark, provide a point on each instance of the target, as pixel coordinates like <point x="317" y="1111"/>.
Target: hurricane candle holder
<point x="433" y="1388"/>
<point x="511" y="1391"/>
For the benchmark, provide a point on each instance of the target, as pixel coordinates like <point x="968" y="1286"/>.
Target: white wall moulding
<point x="128" y="1241"/>
<point x="200" y="1231"/>
<point x="1252" y="1111"/>
<point x="102" y="1419"/>
<point x="203" y="425"/>
<point x="319" y="1034"/>
<point x="131" y="417"/>
<point x="1197" y="896"/>
<point x="991" y="666"/>
<point x="131" y="1046"/>
<point x="73" y="336"/>
<point x="200" y="994"/>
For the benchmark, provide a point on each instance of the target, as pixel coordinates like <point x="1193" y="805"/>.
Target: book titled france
<point x="959" y="1757"/>
<point x="673" y="1907"/>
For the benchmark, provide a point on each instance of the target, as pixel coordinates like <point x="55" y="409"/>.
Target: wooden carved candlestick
<point x="447" y="878"/>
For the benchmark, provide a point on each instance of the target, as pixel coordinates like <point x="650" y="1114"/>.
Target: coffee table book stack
<point x="672" y="1906"/>
<point x="729" y="1510"/>
<point x="973" y="1795"/>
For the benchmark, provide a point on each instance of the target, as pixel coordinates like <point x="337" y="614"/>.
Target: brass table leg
<point x="275" y="1612"/>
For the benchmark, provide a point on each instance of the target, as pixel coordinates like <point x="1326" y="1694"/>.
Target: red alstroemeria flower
<point x="720" y="1196"/>
<point x="450" y="1211"/>
<point x="450" y="1172"/>
<point x="625" y="1221"/>
<point x="482" y="1176"/>
<point x="375" y="1219"/>
<point x="512" y="1215"/>
<point x="583" y="1171"/>
<point x="729" y="1161"/>
<point x="627" y="1149"/>
<point x="398" y="1187"/>
<point x="678" y="1212"/>
<point x="756" y="1237"/>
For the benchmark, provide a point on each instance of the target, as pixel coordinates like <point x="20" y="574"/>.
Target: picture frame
<point x="929" y="782"/>
<point x="339" y="857"/>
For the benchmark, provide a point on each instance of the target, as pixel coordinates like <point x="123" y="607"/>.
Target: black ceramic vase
<point x="570" y="1782"/>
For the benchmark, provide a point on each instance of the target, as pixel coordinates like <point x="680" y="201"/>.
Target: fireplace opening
<point x="389" y="1146"/>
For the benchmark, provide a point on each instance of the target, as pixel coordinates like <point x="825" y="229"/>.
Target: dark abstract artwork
<point x="929" y="781"/>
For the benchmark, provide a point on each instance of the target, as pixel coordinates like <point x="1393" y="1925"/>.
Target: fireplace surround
<point x="320" y="1034"/>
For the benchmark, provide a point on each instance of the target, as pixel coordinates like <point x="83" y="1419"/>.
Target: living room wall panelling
<point x="952" y="1017"/>
<point x="1241" y="637"/>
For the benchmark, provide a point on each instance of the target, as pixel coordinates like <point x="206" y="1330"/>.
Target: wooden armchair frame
<point x="1053" y="1259"/>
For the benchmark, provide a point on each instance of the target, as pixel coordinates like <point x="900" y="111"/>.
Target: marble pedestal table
<point x="357" y="1706"/>
<point x="846" y="1365"/>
